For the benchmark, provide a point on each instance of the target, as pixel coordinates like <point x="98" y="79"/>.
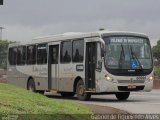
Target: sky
<point x="24" y="20"/>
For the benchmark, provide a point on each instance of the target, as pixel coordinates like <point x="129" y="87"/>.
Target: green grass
<point x="15" y="100"/>
<point x="157" y="70"/>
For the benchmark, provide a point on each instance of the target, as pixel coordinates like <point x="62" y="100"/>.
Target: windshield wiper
<point x="122" y="57"/>
<point x="134" y="56"/>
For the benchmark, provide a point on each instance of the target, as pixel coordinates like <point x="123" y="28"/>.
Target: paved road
<point x="138" y="102"/>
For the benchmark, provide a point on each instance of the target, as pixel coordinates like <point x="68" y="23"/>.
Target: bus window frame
<point x="25" y="56"/>
<point x="81" y="39"/>
<point x="61" y="50"/>
<point x="37" y="53"/>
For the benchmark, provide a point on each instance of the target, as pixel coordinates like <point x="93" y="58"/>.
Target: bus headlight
<point x="151" y="78"/>
<point x="108" y="78"/>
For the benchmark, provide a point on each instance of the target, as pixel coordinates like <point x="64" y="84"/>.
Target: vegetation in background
<point x="14" y="100"/>
<point x="157" y="71"/>
<point x="156" y="56"/>
<point x="156" y="53"/>
<point x="3" y="53"/>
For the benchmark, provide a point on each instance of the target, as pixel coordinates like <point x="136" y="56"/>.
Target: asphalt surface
<point x="138" y="102"/>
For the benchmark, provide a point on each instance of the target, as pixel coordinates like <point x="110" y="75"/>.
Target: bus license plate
<point x="131" y="86"/>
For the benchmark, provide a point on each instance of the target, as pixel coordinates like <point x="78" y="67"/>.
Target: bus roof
<point x="76" y="35"/>
<point x="71" y="35"/>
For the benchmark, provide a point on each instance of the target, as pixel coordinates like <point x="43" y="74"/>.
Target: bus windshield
<point x="127" y="53"/>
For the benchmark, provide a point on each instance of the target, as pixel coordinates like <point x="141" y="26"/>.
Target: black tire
<point x="80" y="90"/>
<point x="122" y="95"/>
<point x="31" y="85"/>
<point x="40" y="91"/>
<point x="67" y="94"/>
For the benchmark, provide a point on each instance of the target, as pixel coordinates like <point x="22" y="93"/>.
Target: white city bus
<point x="102" y="62"/>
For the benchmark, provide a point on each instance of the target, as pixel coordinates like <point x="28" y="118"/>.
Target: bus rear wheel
<point x="80" y="90"/>
<point x="31" y="85"/>
<point x="67" y="94"/>
<point x="122" y="95"/>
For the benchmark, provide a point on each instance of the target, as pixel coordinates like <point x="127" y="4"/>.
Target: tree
<point x="3" y="53"/>
<point x="156" y="52"/>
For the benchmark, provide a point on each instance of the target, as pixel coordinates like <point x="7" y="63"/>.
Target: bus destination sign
<point x="126" y="40"/>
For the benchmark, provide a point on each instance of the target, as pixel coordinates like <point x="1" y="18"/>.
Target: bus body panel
<point x="66" y="79"/>
<point x="20" y="75"/>
<point x="16" y="77"/>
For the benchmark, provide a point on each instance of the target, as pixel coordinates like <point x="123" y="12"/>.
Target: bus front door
<point x="90" y="66"/>
<point x="53" y="67"/>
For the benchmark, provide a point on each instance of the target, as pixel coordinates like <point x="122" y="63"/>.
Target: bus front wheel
<point x="80" y="90"/>
<point x="31" y="85"/>
<point x="122" y="95"/>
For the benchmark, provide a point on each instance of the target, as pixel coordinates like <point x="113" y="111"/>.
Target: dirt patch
<point x="96" y="109"/>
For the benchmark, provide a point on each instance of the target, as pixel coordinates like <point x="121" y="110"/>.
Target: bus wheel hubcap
<point x="81" y="90"/>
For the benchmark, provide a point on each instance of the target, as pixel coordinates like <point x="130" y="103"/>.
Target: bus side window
<point x="66" y="51"/>
<point x="41" y="54"/>
<point x="12" y="56"/>
<point x="78" y="51"/>
<point x="55" y="54"/>
<point x="19" y="49"/>
<point x="21" y="55"/>
<point x="31" y="54"/>
<point x="24" y="55"/>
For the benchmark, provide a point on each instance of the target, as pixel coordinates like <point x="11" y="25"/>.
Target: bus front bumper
<point x="108" y="86"/>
